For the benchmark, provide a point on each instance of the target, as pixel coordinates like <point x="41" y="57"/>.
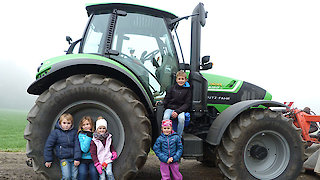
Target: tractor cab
<point x="137" y="37"/>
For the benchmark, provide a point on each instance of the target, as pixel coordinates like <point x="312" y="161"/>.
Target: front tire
<point x="92" y="95"/>
<point x="261" y="144"/>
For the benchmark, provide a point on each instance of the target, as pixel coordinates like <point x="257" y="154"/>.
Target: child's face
<point x="101" y="130"/>
<point x="65" y="124"/>
<point x="166" y="130"/>
<point x="181" y="80"/>
<point x="86" y="126"/>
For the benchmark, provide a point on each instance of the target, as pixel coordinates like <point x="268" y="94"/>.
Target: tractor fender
<point x="221" y="123"/>
<point x="67" y="68"/>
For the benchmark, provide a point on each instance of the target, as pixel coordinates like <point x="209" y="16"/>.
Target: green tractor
<point x="124" y="63"/>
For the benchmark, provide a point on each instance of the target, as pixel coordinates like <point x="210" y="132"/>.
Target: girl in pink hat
<point x="102" y="151"/>
<point x="168" y="147"/>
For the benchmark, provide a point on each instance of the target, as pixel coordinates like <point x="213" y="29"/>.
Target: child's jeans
<point x="181" y="118"/>
<point x="165" y="169"/>
<point x="69" y="171"/>
<point x="107" y="171"/>
<point x="85" y="168"/>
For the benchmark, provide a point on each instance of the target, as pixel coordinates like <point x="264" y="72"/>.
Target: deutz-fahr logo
<point x="215" y="85"/>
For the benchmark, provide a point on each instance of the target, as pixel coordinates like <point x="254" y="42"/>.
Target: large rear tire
<point x="261" y="144"/>
<point x="91" y="95"/>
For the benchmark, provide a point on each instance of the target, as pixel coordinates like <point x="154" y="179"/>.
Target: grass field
<point x="12" y="124"/>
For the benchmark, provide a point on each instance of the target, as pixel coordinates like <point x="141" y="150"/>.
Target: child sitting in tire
<point x="177" y="100"/>
<point x="168" y="147"/>
<point x="65" y="141"/>
<point x="102" y="151"/>
<point x="85" y="134"/>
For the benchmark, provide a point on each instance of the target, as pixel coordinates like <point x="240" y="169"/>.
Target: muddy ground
<point x="13" y="166"/>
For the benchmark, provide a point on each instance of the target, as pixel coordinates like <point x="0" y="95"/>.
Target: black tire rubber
<point x="92" y="95"/>
<point x="209" y="155"/>
<point x="231" y="151"/>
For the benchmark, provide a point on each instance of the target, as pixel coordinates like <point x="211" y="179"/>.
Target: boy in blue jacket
<point x="168" y="147"/>
<point x="64" y="140"/>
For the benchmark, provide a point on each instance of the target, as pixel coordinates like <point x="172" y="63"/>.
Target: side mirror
<point x="206" y="66"/>
<point x="68" y="39"/>
<point x="205" y="59"/>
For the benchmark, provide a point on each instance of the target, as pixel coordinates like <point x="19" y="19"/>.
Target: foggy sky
<point x="14" y="81"/>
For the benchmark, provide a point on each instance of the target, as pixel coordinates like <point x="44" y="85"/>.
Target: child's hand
<point x="76" y="163"/>
<point x="114" y="155"/>
<point x="99" y="167"/>
<point x="48" y="164"/>
<point x="170" y="160"/>
<point x="174" y="114"/>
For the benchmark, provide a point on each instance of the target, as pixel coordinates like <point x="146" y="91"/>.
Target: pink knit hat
<point x="167" y="122"/>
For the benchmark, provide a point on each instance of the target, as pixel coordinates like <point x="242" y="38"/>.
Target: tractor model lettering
<point x="223" y="98"/>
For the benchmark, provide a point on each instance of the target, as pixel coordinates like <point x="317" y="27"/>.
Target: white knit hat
<point x="101" y="122"/>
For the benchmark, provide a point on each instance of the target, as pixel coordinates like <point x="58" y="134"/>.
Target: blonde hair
<point x="85" y="118"/>
<point x="181" y="73"/>
<point x="66" y="116"/>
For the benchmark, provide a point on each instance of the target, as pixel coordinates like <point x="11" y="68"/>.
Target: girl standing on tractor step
<point x="85" y="134"/>
<point x="102" y="151"/>
<point x="65" y="141"/>
<point x="168" y="147"/>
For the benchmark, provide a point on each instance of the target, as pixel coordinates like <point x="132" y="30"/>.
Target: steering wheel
<point x="151" y="55"/>
<point x="124" y="55"/>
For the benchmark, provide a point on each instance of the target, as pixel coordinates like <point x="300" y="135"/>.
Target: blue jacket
<point x="168" y="146"/>
<point x="85" y="145"/>
<point x="65" y="143"/>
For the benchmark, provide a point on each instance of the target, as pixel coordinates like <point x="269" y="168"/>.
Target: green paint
<point x="48" y="63"/>
<point x="268" y="96"/>
<point x="217" y="83"/>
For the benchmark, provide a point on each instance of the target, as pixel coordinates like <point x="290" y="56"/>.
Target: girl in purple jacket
<point x="102" y="151"/>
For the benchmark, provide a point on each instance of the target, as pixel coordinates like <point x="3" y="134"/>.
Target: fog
<point x="14" y="81"/>
<point x="273" y="44"/>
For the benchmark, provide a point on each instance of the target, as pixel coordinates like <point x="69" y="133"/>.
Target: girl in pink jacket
<point x="102" y="151"/>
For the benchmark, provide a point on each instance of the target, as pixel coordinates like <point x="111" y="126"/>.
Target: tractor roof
<point x="108" y="8"/>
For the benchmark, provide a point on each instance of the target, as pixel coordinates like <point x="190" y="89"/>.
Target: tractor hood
<point x="224" y="91"/>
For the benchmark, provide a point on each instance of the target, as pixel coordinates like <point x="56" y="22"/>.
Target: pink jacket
<point x="101" y="152"/>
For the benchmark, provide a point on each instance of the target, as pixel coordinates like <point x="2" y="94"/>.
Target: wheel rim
<point x="267" y="155"/>
<point x="95" y="109"/>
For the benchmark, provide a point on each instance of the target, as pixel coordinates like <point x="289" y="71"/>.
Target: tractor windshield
<point x="144" y="44"/>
